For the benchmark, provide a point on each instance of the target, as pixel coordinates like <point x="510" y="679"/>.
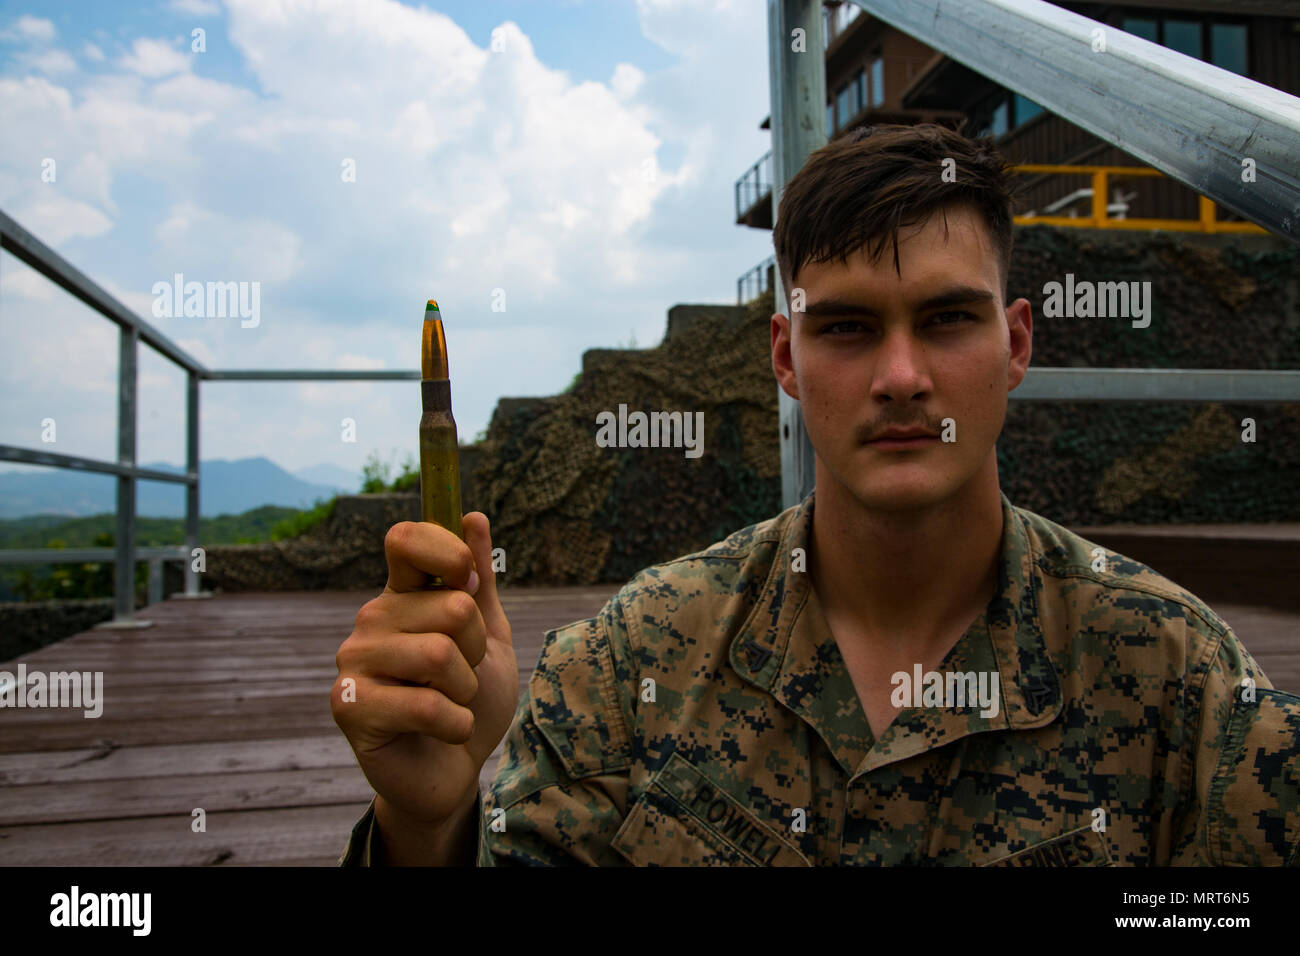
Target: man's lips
<point x="902" y="439"/>
<point x="902" y="435"/>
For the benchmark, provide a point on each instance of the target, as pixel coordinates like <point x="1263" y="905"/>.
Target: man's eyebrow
<point x="957" y="295"/>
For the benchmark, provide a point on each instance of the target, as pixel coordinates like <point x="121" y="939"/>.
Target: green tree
<point x="374" y="474"/>
<point x="410" y="476"/>
<point x="303" y="521"/>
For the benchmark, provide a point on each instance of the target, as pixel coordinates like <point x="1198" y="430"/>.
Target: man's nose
<point x="902" y="371"/>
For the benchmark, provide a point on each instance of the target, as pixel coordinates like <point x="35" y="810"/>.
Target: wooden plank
<point x="225" y="756"/>
<point x="119" y="696"/>
<point x="165" y="679"/>
<point x="171" y="706"/>
<point x="178" y="796"/>
<point x="135" y="732"/>
<point x="309" y="861"/>
<point x="240" y="838"/>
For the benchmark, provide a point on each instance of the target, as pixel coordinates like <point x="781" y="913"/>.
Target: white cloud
<point x="54" y="219"/>
<point x="359" y="362"/>
<point x="27" y="284"/>
<point x="141" y="303"/>
<point x="195" y="8"/>
<point x="195" y="239"/>
<point x="37" y="34"/>
<point x="30" y="29"/>
<point x="49" y="61"/>
<point x="92" y="52"/>
<point x="475" y="171"/>
<point x="197" y="349"/>
<point x="154" y="58"/>
<point x="626" y="80"/>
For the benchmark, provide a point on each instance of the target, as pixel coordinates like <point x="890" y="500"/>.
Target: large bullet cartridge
<point x="439" y="453"/>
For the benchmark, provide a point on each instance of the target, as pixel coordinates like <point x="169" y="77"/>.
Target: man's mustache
<point x="872" y="432"/>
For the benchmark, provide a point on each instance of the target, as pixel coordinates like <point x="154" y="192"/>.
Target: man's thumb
<point x="478" y="535"/>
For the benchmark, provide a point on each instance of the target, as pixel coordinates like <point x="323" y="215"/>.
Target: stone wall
<point x="29" y="626"/>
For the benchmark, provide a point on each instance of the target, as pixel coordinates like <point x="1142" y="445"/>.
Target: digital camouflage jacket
<point x="706" y="717"/>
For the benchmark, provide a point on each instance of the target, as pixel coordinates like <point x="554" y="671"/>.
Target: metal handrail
<point x="30" y="250"/>
<point x="754" y="184"/>
<point x="1206" y="221"/>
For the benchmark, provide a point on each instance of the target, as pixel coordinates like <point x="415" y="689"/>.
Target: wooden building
<point x="876" y="73"/>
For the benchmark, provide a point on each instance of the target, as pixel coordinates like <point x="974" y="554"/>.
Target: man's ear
<point x="782" y="358"/>
<point x="1020" y="329"/>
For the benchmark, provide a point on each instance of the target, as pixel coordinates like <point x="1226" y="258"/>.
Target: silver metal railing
<point x="134" y="330"/>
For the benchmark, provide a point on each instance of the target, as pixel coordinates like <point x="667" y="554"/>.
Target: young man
<point x="770" y="701"/>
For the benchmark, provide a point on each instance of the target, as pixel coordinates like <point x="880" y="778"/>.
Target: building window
<point x="826" y="27"/>
<point x="830" y="119"/>
<point x="998" y="123"/>
<point x="1184" y="36"/>
<point x="845" y="106"/>
<point x="1228" y="42"/>
<point x="1023" y="109"/>
<point x="860" y="88"/>
<point x="1141" y="27"/>
<point x="877" y="80"/>
<point x="1228" y="46"/>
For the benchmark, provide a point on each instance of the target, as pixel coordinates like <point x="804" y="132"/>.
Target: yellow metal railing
<point x="1207" y="221"/>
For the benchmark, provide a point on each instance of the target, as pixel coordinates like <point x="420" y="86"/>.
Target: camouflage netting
<point x="345" y="551"/>
<point x="1223" y="302"/>
<point x="570" y="512"/>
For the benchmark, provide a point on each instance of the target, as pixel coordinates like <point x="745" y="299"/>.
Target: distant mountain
<point x="225" y="487"/>
<point x="331" y="476"/>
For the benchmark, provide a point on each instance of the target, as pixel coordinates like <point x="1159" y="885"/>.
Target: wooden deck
<point x="224" y="704"/>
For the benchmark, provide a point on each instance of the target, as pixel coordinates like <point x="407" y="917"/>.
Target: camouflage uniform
<point x="1121" y="704"/>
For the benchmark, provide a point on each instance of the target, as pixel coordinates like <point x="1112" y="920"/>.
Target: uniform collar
<point x="786" y="648"/>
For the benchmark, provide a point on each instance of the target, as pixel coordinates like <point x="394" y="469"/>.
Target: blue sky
<point x="580" y="166"/>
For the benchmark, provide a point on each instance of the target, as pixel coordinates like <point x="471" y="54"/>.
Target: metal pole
<point x="124" y="543"/>
<point x="155" y="580"/>
<point x="797" y="71"/>
<point x="124" y="568"/>
<point x="192" y="490"/>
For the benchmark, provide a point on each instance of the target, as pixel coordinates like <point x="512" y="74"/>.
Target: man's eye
<point x="843" y="327"/>
<point x="954" y="317"/>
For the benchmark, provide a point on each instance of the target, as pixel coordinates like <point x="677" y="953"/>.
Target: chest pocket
<point x="684" y="819"/>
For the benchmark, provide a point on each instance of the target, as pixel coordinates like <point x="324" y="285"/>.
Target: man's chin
<point x="906" y="493"/>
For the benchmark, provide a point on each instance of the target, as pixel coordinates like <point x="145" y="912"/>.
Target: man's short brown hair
<point x="857" y="191"/>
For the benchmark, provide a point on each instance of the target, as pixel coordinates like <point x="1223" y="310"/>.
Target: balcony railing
<point x="756" y="281"/>
<point x="754" y="186"/>
<point x="1100" y="217"/>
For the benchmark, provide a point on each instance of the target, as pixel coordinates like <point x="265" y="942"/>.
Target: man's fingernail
<point x="472" y="586"/>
